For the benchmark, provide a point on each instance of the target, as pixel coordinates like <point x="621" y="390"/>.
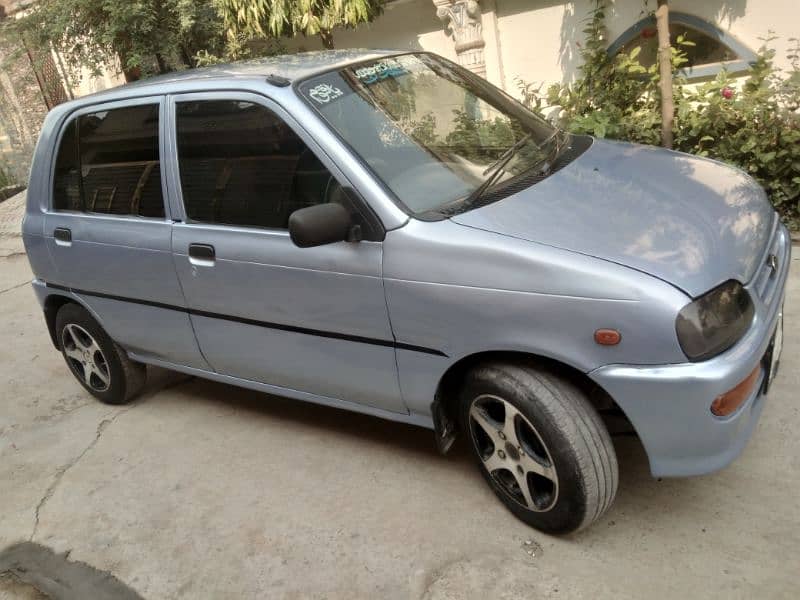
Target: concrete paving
<point x="202" y="490"/>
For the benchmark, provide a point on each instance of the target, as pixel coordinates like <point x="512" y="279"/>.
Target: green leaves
<point x="152" y="36"/>
<point x="5" y="178"/>
<point x="148" y="36"/>
<point x="262" y="18"/>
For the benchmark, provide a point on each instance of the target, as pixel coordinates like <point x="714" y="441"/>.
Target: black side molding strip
<point x="266" y="324"/>
<point x="119" y="298"/>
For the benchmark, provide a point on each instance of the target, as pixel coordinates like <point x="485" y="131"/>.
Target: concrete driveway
<point x="200" y="490"/>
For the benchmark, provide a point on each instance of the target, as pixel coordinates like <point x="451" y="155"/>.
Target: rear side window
<point x="241" y="164"/>
<point x="108" y="163"/>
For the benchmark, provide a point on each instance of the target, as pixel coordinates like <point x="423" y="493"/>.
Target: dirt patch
<point x="11" y="213"/>
<point x="11" y="588"/>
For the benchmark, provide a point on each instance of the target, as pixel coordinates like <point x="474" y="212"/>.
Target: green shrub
<point x="754" y="126"/>
<point x="5" y="178"/>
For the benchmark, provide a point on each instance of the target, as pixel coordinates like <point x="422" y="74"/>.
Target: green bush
<point x="5" y="178"/>
<point x="753" y="125"/>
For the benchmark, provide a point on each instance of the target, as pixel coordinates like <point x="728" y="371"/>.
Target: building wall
<point x="23" y="103"/>
<point x="537" y="40"/>
<point x="532" y="40"/>
<point x="405" y="24"/>
<point x="85" y="82"/>
<point x="539" y="37"/>
<point x="22" y="110"/>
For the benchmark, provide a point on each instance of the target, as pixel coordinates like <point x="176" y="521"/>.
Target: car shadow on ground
<point x="415" y="442"/>
<point x="406" y="438"/>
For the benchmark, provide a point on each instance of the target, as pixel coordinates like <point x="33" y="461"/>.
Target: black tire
<point x="563" y="435"/>
<point x="125" y="378"/>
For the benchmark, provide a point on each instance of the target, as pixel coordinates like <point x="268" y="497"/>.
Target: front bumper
<point x="669" y="405"/>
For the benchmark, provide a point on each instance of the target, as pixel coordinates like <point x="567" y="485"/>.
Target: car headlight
<point x="715" y="321"/>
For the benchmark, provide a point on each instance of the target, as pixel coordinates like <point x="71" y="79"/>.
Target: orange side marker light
<point x="607" y="337"/>
<point x="727" y="403"/>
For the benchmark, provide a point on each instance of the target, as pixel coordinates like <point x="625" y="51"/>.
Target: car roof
<point x="289" y="66"/>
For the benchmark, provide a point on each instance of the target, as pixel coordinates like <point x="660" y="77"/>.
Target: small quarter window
<point x="108" y="163"/>
<point x="711" y="51"/>
<point x="67" y="188"/>
<point x="240" y="164"/>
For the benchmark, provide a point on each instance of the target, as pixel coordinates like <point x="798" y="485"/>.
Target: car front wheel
<point x="540" y="445"/>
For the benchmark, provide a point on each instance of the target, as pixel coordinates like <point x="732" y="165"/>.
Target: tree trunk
<point x="186" y="57"/>
<point x="130" y="73"/>
<point x="665" y="70"/>
<point x="122" y="45"/>
<point x="162" y="64"/>
<point x="326" y="35"/>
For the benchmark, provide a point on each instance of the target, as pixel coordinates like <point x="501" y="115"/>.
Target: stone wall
<point x="22" y="107"/>
<point x="26" y="94"/>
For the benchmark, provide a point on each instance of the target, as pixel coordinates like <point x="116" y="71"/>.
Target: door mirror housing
<point x="321" y="224"/>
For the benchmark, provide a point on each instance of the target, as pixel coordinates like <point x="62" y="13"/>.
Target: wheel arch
<point x="445" y="404"/>
<point x="52" y="304"/>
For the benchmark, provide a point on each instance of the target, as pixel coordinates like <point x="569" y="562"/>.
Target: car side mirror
<point x="321" y="224"/>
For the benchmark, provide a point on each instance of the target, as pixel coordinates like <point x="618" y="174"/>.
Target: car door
<point x="312" y="320"/>
<point x="109" y="233"/>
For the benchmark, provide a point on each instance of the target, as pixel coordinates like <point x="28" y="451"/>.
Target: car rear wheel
<point x="540" y="445"/>
<point x="96" y="361"/>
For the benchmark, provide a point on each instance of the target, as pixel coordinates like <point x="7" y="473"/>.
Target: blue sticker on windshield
<point x="380" y="70"/>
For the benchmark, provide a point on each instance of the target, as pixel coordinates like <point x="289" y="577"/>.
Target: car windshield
<point x="438" y="137"/>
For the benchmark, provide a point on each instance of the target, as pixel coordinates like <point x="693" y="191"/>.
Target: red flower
<point x="649" y="32"/>
<point x="727" y="93"/>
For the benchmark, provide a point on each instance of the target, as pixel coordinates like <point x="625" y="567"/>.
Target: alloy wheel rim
<point x="87" y="361"/>
<point x="513" y="453"/>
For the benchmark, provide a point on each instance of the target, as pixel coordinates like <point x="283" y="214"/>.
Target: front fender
<point x="462" y="291"/>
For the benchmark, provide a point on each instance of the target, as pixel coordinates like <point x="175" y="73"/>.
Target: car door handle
<point x="62" y="236"/>
<point x="202" y="255"/>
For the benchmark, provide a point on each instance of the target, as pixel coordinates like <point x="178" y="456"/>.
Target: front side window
<point x="241" y="164"/>
<point x="108" y="163"/>
<point x="429" y="131"/>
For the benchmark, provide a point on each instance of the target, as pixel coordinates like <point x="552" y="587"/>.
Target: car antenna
<point x="278" y="80"/>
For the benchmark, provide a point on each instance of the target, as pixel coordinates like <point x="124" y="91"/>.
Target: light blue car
<point x="387" y="233"/>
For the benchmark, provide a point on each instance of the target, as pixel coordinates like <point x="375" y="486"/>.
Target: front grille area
<point x="766" y="278"/>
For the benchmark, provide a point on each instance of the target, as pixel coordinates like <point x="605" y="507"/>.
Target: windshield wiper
<point x="558" y="146"/>
<point x="494" y="170"/>
<point x="505" y="156"/>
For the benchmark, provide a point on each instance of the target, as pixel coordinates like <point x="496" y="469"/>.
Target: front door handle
<point x="62" y="236"/>
<point x="202" y="255"/>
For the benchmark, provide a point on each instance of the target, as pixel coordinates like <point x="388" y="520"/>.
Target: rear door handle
<point x="202" y="255"/>
<point x="63" y="236"/>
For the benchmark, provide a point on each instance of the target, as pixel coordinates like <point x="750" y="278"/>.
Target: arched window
<point x="713" y="50"/>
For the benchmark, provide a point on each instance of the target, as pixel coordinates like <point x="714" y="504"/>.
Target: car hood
<point x="690" y="221"/>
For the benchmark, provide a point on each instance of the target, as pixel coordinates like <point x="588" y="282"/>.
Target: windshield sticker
<point x="324" y="93"/>
<point x="380" y="70"/>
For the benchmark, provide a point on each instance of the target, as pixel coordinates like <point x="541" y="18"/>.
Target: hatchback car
<point x="388" y="233"/>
